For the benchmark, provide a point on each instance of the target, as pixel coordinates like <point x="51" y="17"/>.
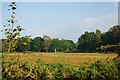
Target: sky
<point x="68" y="20"/>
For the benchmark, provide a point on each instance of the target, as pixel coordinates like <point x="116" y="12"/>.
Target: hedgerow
<point x="60" y="71"/>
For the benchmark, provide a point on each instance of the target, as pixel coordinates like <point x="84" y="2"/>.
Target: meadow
<point x="74" y="59"/>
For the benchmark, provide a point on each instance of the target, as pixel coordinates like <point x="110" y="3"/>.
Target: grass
<point x="74" y="59"/>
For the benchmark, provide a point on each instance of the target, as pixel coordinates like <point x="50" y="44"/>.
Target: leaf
<point x="14" y="36"/>
<point x="8" y="20"/>
<point x="13" y="16"/>
<point x="14" y="30"/>
<point x="12" y="21"/>
<point x="10" y="5"/>
<point x="6" y="29"/>
<point x="19" y="28"/>
<point x="13" y="8"/>
<point x="17" y="34"/>
<point x="13" y="12"/>
<point x="7" y="33"/>
<point x="12" y="2"/>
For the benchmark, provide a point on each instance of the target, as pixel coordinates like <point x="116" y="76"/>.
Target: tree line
<point x="39" y="44"/>
<point x="96" y="41"/>
<point x="88" y="42"/>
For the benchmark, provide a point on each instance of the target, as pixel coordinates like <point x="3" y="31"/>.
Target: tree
<point x="24" y="44"/>
<point x="37" y="44"/>
<point x="111" y="36"/>
<point x="98" y="37"/>
<point x="12" y="31"/>
<point x="55" y="44"/>
<point x="47" y="42"/>
<point x="87" y="42"/>
<point x="62" y="45"/>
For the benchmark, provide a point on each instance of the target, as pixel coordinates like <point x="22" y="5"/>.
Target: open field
<point x="75" y="59"/>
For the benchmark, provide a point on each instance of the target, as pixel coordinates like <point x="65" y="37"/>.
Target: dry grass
<point x="74" y="59"/>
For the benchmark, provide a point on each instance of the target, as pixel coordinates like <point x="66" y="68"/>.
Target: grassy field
<point x="74" y="59"/>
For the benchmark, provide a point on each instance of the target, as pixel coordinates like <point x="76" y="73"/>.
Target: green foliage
<point x="111" y="36"/>
<point x="103" y="42"/>
<point x="37" y="44"/>
<point x="87" y="42"/>
<point x="47" y="42"/>
<point x="24" y="44"/>
<point x="117" y="62"/>
<point x="39" y="71"/>
<point x="62" y="45"/>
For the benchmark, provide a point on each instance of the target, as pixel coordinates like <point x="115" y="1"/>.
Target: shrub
<point x="40" y="71"/>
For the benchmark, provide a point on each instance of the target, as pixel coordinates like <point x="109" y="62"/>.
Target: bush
<point x="39" y="71"/>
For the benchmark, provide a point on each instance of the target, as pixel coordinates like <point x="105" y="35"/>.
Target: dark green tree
<point x="62" y="45"/>
<point x="87" y="42"/>
<point x="111" y="36"/>
<point x="98" y="37"/>
<point x="37" y="44"/>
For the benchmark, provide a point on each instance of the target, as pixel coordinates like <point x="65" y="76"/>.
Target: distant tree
<point x="47" y="42"/>
<point x="12" y="31"/>
<point x="62" y="45"/>
<point x="87" y="42"/>
<point x="68" y="45"/>
<point x="37" y="44"/>
<point x="72" y="46"/>
<point x="24" y="44"/>
<point x="111" y="36"/>
<point x="55" y="44"/>
<point x="98" y="37"/>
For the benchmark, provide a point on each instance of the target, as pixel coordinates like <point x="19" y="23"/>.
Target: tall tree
<point x="87" y="42"/>
<point x="12" y="31"/>
<point x="37" y="44"/>
<point x="111" y="36"/>
<point x="47" y="42"/>
<point x="62" y="45"/>
<point x="98" y="37"/>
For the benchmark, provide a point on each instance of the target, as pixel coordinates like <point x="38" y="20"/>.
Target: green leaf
<point x="8" y="20"/>
<point x="10" y="5"/>
<point x="12" y="21"/>
<point x="6" y="29"/>
<point x="13" y="16"/>
<point x="17" y="34"/>
<point x="13" y="8"/>
<point x="14" y="30"/>
<point x="12" y="2"/>
<point x="7" y="33"/>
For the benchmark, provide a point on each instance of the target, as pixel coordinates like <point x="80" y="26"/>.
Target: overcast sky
<point x="68" y="20"/>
